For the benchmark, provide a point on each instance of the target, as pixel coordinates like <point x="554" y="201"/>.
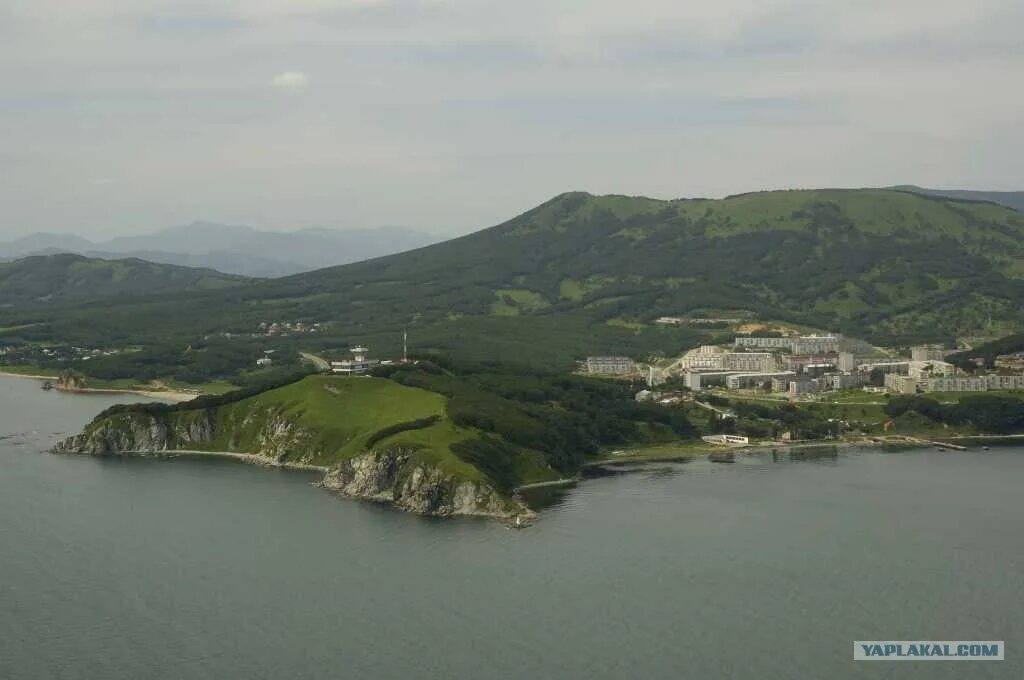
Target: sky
<point x="125" y="116"/>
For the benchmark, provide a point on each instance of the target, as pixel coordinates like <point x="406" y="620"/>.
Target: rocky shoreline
<point x="393" y="476"/>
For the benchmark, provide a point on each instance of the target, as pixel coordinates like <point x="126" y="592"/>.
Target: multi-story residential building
<point x="748" y="342"/>
<point x="846" y="362"/>
<point x="750" y="362"/>
<point x="698" y="381"/>
<point x="711" y="358"/>
<point x="739" y="381"/>
<point x="926" y="353"/>
<point x="804" y="386"/>
<point x="980" y="383"/>
<point x="849" y="381"/>
<point x="886" y="367"/>
<point x="901" y="384"/>
<point x="815" y="344"/>
<point x="610" y="365"/>
<point x="701" y="361"/>
<point x="797" y="344"/>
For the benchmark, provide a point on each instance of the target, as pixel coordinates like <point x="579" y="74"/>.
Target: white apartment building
<point x="926" y="353"/>
<point x="751" y="362"/>
<point x="802" y="344"/>
<point x="846" y="362"/>
<point x="980" y="383"/>
<point x="610" y="365"/>
<point x="741" y="381"/>
<point x="901" y="384"/>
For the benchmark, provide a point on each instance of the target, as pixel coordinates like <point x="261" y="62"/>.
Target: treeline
<point x="762" y="420"/>
<point x="988" y="413"/>
<point x="989" y="351"/>
<point x="407" y="426"/>
<point x="207" y="401"/>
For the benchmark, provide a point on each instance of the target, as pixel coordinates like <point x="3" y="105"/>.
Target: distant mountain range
<point x="1010" y="199"/>
<point x="233" y="249"/>
<point x="584" y="274"/>
<point x="72" y="279"/>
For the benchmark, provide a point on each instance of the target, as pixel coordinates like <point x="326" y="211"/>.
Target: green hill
<point x="587" y="274"/>
<point x="56" y="279"/>
<point x="428" y="440"/>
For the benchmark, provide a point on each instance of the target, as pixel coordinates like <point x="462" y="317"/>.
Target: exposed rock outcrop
<point x="396" y="476"/>
<point x="139" y="434"/>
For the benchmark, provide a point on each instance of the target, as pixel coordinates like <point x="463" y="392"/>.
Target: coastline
<point x="682" y="454"/>
<point x="168" y="395"/>
<point x="247" y="458"/>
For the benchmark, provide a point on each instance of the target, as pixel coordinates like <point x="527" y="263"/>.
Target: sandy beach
<point x="167" y="395"/>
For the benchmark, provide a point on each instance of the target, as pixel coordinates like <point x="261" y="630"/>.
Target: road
<point x="320" y="363"/>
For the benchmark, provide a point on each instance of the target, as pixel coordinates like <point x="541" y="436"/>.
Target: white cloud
<point x="473" y="110"/>
<point x="290" y="80"/>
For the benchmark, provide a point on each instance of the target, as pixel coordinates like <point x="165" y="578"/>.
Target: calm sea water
<point x="176" y="569"/>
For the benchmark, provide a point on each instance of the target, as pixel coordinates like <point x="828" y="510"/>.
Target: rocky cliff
<point x="398" y="477"/>
<point x="139" y="434"/>
<point x="394" y="475"/>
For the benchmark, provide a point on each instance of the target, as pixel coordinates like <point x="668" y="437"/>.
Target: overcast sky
<point x="124" y="116"/>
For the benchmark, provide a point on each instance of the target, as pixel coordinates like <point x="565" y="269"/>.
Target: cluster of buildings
<point x="909" y="384"/>
<point x="800" y="365"/>
<point x="33" y="353"/>
<point x="286" y="328"/>
<point x="794" y="344"/>
<point x="714" y="358"/>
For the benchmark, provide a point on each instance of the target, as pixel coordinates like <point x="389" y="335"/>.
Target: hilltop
<point x="584" y="274"/>
<point x="57" y="279"/>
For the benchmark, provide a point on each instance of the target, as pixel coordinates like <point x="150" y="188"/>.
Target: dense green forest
<point x="988" y="351"/>
<point x="585" y="274"/>
<point x="989" y="413"/>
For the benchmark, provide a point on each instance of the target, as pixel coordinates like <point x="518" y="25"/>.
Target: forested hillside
<point x="54" y="279"/>
<point x="588" y="274"/>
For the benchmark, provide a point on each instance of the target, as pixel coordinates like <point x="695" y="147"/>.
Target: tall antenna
<point x="405" y="346"/>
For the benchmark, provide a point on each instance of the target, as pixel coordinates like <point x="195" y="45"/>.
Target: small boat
<point x="47" y="385"/>
<point x="984" y="448"/>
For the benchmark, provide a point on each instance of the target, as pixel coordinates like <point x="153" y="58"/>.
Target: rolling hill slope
<point x="588" y="274"/>
<point x="1010" y="199"/>
<point x="59" y="279"/>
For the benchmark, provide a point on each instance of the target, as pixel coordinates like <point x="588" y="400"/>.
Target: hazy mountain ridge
<point x="1010" y="199"/>
<point x="232" y="249"/>
<point x="68" y="278"/>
